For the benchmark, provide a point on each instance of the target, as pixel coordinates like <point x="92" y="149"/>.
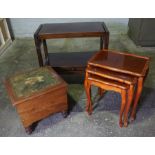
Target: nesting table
<point x="124" y="68"/>
<point x="72" y="63"/>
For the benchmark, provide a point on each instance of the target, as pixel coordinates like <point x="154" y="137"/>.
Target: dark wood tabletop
<point x="67" y="30"/>
<point x="120" y="62"/>
<point x="73" y="60"/>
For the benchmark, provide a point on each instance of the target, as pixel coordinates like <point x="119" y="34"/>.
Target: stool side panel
<point x="41" y="100"/>
<point x="40" y="107"/>
<point x="10" y="92"/>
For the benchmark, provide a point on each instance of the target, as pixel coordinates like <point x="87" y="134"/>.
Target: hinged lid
<point x="26" y="84"/>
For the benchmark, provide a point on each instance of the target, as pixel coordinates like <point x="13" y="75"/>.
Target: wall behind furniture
<point x="25" y="27"/>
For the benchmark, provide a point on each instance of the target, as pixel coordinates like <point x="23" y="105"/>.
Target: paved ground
<point x="104" y="121"/>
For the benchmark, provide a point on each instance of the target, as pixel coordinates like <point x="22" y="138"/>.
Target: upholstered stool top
<point x="25" y="84"/>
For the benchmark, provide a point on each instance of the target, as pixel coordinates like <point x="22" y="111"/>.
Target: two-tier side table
<point x="72" y="62"/>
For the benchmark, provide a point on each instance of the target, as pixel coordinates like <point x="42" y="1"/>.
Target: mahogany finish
<point x="40" y="104"/>
<point x="128" y="79"/>
<point x="121" y="62"/>
<point x="105" y="84"/>
<point x="74" y="59"/>
<point x="68" y="30"/>
<point x="124" y="68"/>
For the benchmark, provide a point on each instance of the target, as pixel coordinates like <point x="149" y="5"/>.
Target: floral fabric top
<point x="28" y="83"/>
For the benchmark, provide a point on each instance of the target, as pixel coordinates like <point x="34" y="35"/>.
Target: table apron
<point x="70" y="35"/>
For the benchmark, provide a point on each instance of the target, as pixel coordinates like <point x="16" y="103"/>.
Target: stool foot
<point x="65" y="114"/>
<point x="29" y="130"/>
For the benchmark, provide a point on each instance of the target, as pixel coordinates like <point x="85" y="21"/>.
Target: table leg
<point x="138" y="93"/>
<point x="38" y="49"/>
<point x="88" y="94"/>
<point x="128" y="105"/>
<point x="85" y="85"/>
<point x="106" y="41"/>
<point x="123" y="94"/>
<point x="101" y="91"/>
<point x="46" y="52"/>
<point x="101" y="43"/>
<point x="147" y="71"/>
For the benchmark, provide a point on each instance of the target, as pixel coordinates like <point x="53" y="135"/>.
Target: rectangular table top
<point x="67" y="59"/>
<point x="67" y="30"/>
<point x="120" y="62"/>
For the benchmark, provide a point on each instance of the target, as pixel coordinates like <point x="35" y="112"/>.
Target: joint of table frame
<point x="37" y="32"/>
<point x="105" y="27"/>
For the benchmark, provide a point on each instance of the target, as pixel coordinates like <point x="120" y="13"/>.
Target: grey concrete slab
<point x="21" y="56"/>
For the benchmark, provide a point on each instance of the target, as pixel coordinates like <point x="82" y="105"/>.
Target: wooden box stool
<point x="37" y="94"/>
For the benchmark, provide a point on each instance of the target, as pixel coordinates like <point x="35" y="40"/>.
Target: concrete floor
<point x="21" y="56"/>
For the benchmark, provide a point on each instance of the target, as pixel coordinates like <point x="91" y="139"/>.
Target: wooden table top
<point x="73" y="59"/>
<point x="67" y="30"/>
<point x="128" y="79"/>
<point x="121" y="62"/>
